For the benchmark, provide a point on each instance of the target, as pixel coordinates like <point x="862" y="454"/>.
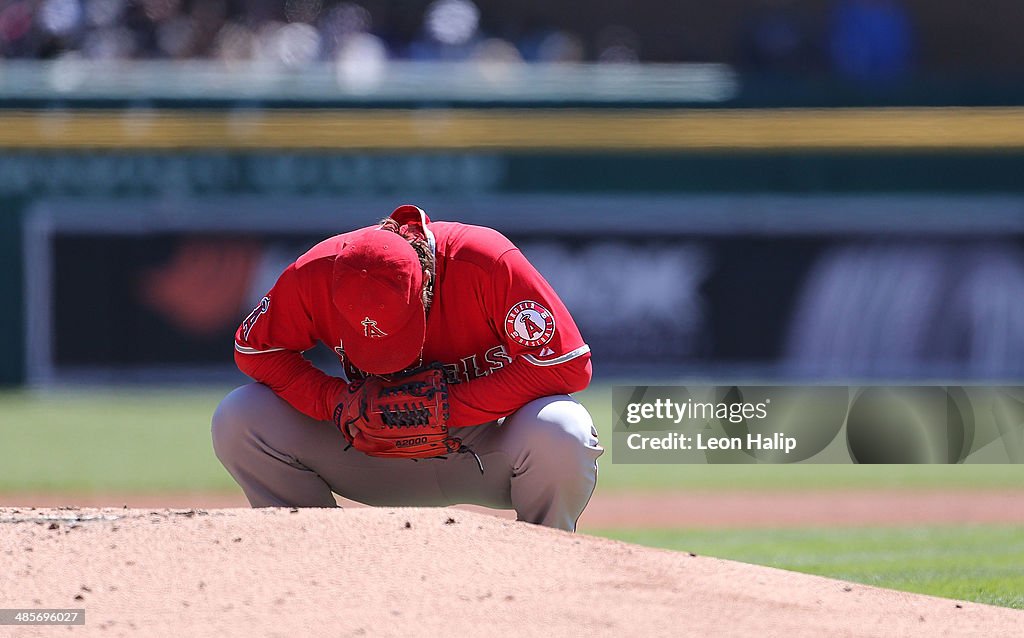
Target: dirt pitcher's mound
<point x="423" y="572"/>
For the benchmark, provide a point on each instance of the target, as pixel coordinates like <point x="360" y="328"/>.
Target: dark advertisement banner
<point x="816" y="307"/>
<point x="752" y="265"/>
<point x="818" y="424"/>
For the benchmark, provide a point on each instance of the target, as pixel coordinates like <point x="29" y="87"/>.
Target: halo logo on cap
<point x="371" y="330"/>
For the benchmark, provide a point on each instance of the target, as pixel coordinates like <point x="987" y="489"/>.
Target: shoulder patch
<point x="530" y="324"/>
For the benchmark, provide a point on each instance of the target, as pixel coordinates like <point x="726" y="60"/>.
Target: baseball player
<point x="459" y="362"/>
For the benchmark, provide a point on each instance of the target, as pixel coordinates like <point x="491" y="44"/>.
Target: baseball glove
<point x="404" y="418"/>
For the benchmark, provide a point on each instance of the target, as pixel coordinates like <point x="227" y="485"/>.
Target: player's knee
<point x="232" y="421"/>
<point x="559" y="432"/>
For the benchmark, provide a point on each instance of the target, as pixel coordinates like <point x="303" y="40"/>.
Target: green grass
<point x="113" y="439"/>
<point x="980" y="563"/>
<point x="141" y="439"/>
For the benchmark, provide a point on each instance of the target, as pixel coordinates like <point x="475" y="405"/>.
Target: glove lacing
<point x="405" y="415"/>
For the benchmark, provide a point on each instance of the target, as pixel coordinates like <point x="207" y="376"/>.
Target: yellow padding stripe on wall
<point x="521" y="130"/>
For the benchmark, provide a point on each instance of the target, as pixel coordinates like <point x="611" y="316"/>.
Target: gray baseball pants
<point x="540" y="461"/>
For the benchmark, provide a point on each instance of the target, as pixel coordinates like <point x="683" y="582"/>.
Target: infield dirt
<point x="421" y="572"/>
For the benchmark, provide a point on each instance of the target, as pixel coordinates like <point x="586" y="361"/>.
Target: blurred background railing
<point x="746" y="190"/>
<point x="373" y="81"/>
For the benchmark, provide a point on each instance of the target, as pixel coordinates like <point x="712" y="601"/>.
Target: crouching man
<point x="459" y="363"/>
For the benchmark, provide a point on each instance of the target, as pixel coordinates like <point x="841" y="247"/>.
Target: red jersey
<point x="503" y="335"/>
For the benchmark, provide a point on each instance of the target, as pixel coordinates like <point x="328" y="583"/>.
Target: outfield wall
<point x="692" y="231"/>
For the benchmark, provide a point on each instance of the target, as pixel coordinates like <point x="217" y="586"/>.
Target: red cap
<point x="378" y="283"/>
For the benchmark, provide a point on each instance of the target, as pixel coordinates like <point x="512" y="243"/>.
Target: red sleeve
<point x="548" y="353"/>
<point x="269" y="346"/>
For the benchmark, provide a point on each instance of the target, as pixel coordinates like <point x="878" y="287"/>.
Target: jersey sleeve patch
<point x="530" y="324"/>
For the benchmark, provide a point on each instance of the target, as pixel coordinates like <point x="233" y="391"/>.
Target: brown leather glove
<point x="406" y="417"/>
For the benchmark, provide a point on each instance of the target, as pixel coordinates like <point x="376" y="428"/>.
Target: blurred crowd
<point x="295" y="32"/>
<point x="854" y="37"/>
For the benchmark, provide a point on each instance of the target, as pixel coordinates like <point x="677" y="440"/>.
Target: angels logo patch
<point x="530" y="324"/>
